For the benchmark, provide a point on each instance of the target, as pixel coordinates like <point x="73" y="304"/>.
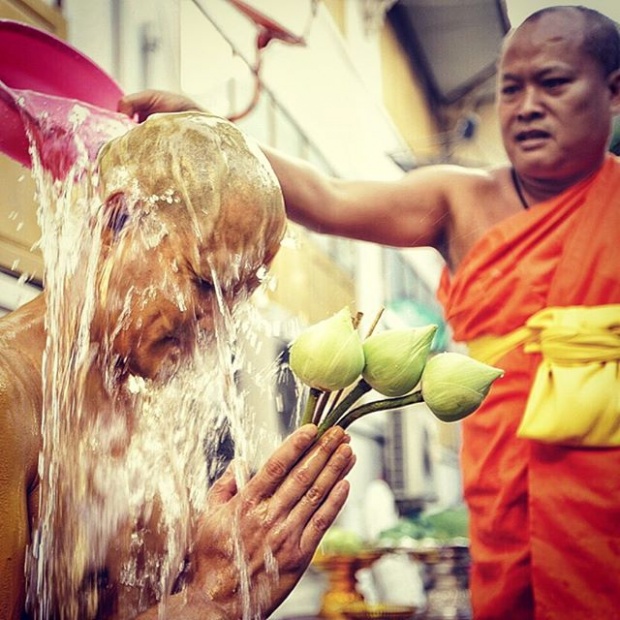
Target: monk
<point x="532" y="283"/>
<point x="187" y="211"/>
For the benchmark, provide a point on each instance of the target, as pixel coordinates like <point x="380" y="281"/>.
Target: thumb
<point x="225" y="487"/>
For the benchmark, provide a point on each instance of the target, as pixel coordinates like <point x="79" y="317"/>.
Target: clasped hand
<point x="255" y="542"/>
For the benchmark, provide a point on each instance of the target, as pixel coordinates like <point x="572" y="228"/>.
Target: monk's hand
<point x="142" y="104"/>
<point x="272" y="526"/>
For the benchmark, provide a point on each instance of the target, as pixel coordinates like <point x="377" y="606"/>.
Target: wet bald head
<point x="192" y="213"/>
<point x="202" y="181"/>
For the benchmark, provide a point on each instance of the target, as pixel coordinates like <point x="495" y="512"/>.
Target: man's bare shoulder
<point x="425" y="207"/>
<point x="469" y="186"/>
<point x="458" y="185"/>
<point x="469" y="176"/>
<point x="21" y="342"/>
<point x="20" y="405"/>
<point x="21" y="347"/>
<point x="476" y="199"/>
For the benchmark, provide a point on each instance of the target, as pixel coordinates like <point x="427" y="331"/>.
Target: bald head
<point x="192" y="213"/>
<point x="196" y="177"/>
<point x="601" y="35"/>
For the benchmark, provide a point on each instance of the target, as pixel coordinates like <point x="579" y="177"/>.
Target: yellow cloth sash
<point x="575" y="396"/>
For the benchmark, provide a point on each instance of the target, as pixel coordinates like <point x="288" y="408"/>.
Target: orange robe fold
<point x="545" y="518"/>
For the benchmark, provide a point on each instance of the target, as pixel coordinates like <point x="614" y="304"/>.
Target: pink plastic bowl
<point x="34" y="60"/>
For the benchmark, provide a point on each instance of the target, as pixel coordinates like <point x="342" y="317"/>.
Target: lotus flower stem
<point x="335" y="414"/>
<point x="335" y="400"/>
<point x="313" y="396"/>
<point x="322" y="401"/>
<point x="380" y="405"/>
<point x="375" y="322"/>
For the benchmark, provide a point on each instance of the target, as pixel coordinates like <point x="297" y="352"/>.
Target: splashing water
<point x="123" y="470"/>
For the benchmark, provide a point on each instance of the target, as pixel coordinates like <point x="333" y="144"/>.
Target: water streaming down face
<point x="147" y="257"/>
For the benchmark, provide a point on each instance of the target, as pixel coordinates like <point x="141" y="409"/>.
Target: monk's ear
<point x="115" y="214"/>
<point x="613" y="81"/>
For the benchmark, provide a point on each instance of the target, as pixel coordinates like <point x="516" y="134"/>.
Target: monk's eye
<point x="554" y="83"/>
<point x="170" y="340"/>
<point x="116" y="208"/>
<point x="509" y="89"/>
<point x="205" y="286"/>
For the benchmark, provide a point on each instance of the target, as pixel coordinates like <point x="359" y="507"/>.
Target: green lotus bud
<point x="395" y="359"/>
<point x="454" y="385"/>
<point x="329" y="354"/>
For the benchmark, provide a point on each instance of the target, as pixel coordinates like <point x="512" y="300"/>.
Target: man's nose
<point x="204" y="322"/>
<point x="530" y="105"/>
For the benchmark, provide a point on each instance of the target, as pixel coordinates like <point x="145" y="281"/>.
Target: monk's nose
<point x="530" y="104"/>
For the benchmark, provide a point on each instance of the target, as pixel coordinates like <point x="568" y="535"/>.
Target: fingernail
<point x="305" y="435"/>
<point x="344" y="452"/>
<point x="334" y="435"/>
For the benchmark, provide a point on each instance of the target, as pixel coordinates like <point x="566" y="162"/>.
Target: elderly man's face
<point x="193" y="214"/>
<point x="554" y="103"/>
<point x="153" y="306"/>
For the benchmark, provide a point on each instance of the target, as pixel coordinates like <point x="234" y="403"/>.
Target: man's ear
<point x="613" y="81"/>
<point x="116" y="214"/>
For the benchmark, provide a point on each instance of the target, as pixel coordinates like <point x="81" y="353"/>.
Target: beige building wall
<point x="308" y="284"/>
<point x="404" y="99"/>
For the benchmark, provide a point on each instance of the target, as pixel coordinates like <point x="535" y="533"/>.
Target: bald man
<point x="187" y="212"/>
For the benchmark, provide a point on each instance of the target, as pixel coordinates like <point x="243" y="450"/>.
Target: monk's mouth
<point x="532" y="135"/>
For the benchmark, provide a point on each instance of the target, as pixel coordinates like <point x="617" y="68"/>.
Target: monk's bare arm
<point x="412" y="211"/>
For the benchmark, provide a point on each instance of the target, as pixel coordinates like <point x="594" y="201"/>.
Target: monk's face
<point x="193" y="213"/>
<point x="555" y="105"/>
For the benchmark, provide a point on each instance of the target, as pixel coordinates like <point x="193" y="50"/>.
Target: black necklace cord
<point x="517" y="183"/>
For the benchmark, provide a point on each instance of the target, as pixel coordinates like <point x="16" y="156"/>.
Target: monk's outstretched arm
<point x="411" y="211"/>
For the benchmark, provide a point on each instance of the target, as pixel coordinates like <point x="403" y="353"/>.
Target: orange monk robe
<point x="545" y="518"/>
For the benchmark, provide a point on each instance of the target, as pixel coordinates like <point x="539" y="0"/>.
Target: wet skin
<point x="153" y="302"/>
<point x="192" y="232"/>
<point x="555" y="106"/>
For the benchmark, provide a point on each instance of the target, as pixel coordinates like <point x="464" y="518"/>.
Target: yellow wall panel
<point x="308" y="284"/>
<point x="405" y="100"/>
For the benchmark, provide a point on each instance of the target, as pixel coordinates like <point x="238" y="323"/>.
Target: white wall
<point x="318" y="84"/>
<point x="14" y="293"/>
